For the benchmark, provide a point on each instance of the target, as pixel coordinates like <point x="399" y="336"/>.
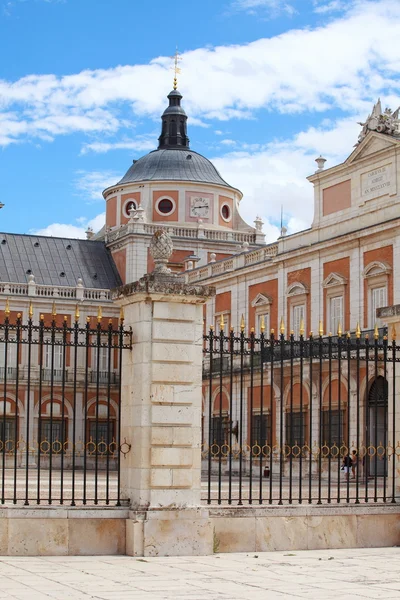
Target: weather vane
<point x="177" y="70"/>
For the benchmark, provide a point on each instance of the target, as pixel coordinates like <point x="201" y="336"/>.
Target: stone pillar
<point x="161" y="417"/>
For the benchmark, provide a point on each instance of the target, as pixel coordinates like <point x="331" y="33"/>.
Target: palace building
<point x="330" y="277"/>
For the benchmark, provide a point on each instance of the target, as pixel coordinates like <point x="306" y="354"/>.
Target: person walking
<point x="354" y="463"/>
<point x="346" y="466"/>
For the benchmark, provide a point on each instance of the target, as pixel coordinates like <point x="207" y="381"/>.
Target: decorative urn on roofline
<point x="161" y="249"/>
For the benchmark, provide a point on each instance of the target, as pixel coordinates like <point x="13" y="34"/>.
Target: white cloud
<point x="72" y="231"/>
<point x="140" y="143"/>
<point x="91" y="184"/>
<point x="272" y="7"/>
<point x="273" y="177"/>
<point x="228" y="142"/>
<point x="343" y="64"/>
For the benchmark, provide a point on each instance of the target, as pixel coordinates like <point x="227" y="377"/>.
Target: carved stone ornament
<point x="382" y="122"/>
<point x="161" y="249"/>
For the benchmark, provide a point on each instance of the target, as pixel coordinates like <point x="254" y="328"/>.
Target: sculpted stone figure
<point x="383" y="122"/>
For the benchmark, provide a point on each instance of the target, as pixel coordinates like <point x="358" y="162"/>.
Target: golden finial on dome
<point x="176" y="57"/>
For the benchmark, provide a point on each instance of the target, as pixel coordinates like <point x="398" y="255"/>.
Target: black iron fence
<point x="290" y="420"/>
<point x="60" y="409"/>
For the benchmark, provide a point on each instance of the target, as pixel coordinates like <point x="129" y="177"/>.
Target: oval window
<point x="128" y="206"/>
<point x="165" y="206"/>
<point x="226" y="212"/>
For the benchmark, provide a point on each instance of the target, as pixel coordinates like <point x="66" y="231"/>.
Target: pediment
<point x="376" y="268"/>
<point x="372" y="144"/>
<point x="296" y="289"/>
<point x="261" y="300"/>
<point x="333" y="280"/>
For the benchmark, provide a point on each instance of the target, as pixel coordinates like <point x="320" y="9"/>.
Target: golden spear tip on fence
<point x="221" y="323"/>
<point x="7" y="309"/>
<point x="42" y="317"/>
<point x="376" y="331"/>
<point x="77" y="312"/>
<point x="358" y="331"/>
<point x="65" y="318"/>
<point x="301" y="330"/>
<point x="393" y="332"/>
<point x="252" y="330"/>
<point x="282" y="327"/>
<point x="30" y="312"/>
<point x="348" y="334"/>
<point x="54" y="310"/>
<point x="262" y="324"/>
<point x="339" y="329"/>
<point x="99" y="314"/>
<point x="121" y="314"/>
<point x="321" y="329"/>
<point x="242" y="324"/>
<point x="87" y="319"/>
<point x="19" y="315"/>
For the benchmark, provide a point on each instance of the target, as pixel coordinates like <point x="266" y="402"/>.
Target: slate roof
<point x="56" y="261"/>
<point x="173" y="165"/>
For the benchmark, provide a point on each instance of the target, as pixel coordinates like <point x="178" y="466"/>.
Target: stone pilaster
<point x="161" y="417"/>
<point x="391" y="316"/>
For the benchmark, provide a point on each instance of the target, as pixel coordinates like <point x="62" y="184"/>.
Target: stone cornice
<point x="164" y="285"/>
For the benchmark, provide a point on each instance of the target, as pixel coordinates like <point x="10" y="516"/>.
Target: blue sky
<point x="268" y="85"/>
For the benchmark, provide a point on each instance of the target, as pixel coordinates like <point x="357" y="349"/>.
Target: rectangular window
<point x="53" y="432"/>
<point x="100" y="354"/>
<point x="11" y="369"/>
<point x="7" y="433"/>
<point x="298" y="317"/>
<point x="261" y="433"/>
<point x="53" y="354"/>
<point x="332" y="427"/>
<point x="219" y="430"/>
<point x="378" y="299"/>
<point x="102" y="431"/>
<point x="336" y="314"/>
<point x="295" y="428"/>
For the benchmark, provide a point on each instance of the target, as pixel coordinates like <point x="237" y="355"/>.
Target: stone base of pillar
<point x="176" y="532"/>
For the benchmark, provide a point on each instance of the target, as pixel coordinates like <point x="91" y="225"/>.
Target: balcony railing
<point x="57" y="375"/>
<point x="11" y="373"/>
<point x="104" y="377"/>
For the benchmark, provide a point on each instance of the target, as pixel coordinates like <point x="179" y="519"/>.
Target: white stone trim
<point x="126" y="202"/>
<point x="296" y="289"/>
<point x="261" y="300"/>
<point x="334" y="279"/>
<point x="376" y="268"/>
<point x="230" y="212"/>
<point x="163" y="197"/>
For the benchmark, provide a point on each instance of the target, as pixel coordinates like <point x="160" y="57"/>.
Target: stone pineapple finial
<point x="161" y="249"/>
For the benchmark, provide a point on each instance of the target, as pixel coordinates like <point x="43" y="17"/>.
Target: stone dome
<point x="173" y="165"/>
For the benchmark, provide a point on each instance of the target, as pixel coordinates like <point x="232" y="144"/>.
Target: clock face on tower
<point x="199" y="207"/>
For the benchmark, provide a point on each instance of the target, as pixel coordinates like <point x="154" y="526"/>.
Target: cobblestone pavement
<point x="317" y="574"/>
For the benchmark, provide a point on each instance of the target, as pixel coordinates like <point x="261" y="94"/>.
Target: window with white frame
<point x="53" y="354"/>
<point x="298" y="318"/>
<point x="297" y="296"/>
<point x="100" y="358"/>
<point x="378" y="299"/>
<point x="11" y="358"/>
<point x="335" y="313"/>
<point x="377" y="275"/>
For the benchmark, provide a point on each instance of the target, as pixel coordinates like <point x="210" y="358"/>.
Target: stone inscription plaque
<point x="376" y="182"/>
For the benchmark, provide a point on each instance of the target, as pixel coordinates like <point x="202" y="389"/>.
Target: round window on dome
<point x="129" y="204"/>
<point x="226" y="212"/>
<point x="165" y="206"/>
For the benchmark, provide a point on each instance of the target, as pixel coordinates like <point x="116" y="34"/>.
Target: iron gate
<point x="60" y="391"/>
<point x="290" y="420"/>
